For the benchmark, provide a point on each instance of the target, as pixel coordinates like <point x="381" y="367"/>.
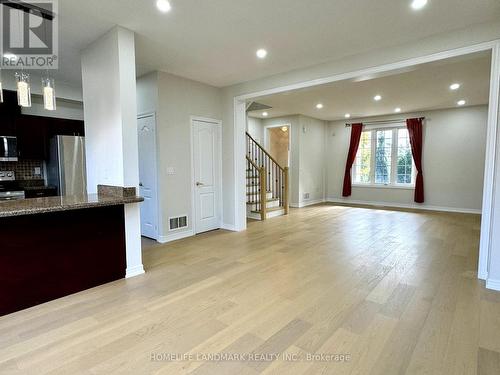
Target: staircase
<point x="267" y="183"/>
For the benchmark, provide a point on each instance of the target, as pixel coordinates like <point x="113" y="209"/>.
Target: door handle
<point x="199" y="184"/>
<point x="140" y="184"/>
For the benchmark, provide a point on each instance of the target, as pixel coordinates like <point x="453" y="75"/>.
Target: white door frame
<point x="266" y="138"/>
<point x="491" y="145"/>
<point x="218" y="124"/>
<point x="159" y="220"/>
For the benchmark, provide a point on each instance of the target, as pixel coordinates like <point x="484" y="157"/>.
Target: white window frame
<point x="394" y="162"/>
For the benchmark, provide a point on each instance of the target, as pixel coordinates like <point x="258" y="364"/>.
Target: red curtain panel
<point x="414" y="126"/>
<point x="356" y="130"/>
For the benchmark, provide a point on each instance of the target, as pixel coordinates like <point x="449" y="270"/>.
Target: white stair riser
<point x="270" y="204"/>
<point x="269" y="215"/>
<point x="256" y="197"/>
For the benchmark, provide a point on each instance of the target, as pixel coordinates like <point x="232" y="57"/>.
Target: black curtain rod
<point x="381" y="122"/>
<point x="29" y="8"/>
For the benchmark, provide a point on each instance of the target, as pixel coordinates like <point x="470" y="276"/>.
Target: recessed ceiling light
<point x="455" y="86"/>
<point x="261" y="53"/>
<point x="377" y="98"/>
<point x="461" y="102"/>
<point x="397" y="110"/>
<point x="265" y="114"/>
<point x="418" y="4"/>
<point x="9" y="56"/>
<point x="347" y="115"/>
<point x="163" y="6"/>
<point x="319" y="106"/>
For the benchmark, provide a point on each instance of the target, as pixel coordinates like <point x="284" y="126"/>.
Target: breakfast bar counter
<point x="56" y="246"/>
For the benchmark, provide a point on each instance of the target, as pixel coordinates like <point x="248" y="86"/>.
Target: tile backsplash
<point x="24" y="169"/>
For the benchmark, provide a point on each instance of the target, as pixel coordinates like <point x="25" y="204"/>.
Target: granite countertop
<point x="66" y="203"/>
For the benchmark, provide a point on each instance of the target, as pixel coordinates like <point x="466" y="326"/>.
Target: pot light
<point x="163" y="6"/>
<point x="455" y="86"/>
<point x="461" y="102"/>
<point x="265" y="114"/>
<point x="397" y="110"/>
<point x="418" y="4"/>
<point x="347" y="115"/>
<point x="319" y="106"/>
<point x="377" y="98"/>
<point x="261" y="53"/>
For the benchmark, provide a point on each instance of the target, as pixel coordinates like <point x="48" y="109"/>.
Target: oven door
<point x="8" y="148"/>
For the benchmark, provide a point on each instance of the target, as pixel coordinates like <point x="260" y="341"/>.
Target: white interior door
<point x="147" y="176"/>
<point x="206" y="164"/>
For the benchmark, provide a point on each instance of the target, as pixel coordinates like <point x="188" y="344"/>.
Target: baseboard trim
<point x="229" y="227"/>
<point x="307" y="203"/>
<point x="482" y="275"/>
<point x="493" y="284"/>
<point x="134" y="271"/>
<point x="403" y="205"/>
<point x="174" y="236"/>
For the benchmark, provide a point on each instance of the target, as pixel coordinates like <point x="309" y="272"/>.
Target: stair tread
<point x="270" y="210"/>
<point x="269" y="200"/>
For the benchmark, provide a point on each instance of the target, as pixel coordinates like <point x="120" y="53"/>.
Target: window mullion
<point x="372" y="159"/>
<point x="394" y="152"/>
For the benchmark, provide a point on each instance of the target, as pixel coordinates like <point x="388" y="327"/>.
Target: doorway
<point x="277" y="141"/>
<point x="148" y="180"/>
<point x="207" y="177"/>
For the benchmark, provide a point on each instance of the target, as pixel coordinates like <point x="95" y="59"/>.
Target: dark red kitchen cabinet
<point x="32" y="137"/>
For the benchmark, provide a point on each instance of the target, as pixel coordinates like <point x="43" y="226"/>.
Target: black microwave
<point x="8" y="148"/>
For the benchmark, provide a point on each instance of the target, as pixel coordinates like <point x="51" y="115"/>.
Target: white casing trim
<point x="134" y="271"/>
<point x="406" y="205"/>
<point x="493" y="284"/>
<point x="230" y="227"/>
<point x="174" y="236"/>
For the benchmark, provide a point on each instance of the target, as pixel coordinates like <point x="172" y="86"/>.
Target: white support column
<point x="492" y="256"/>
<point x="110" y="111"/>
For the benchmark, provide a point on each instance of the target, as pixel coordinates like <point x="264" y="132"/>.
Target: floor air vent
<point x="178" y="222"/>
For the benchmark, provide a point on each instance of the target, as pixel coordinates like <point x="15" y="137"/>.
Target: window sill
<point x="377" y="186"/>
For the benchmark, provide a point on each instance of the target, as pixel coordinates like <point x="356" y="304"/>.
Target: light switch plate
<point x="37" y="171"/>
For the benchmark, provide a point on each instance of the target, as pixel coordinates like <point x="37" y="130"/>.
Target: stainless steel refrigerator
<point x="66" y="167"/>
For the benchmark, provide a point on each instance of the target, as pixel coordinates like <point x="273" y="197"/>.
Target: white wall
<point x="454" y="149"/>
<point x="255" y="129"/>
<point x="175" y="100"/>
<point x="147" y="94"/>
<point x="312" y="160"/>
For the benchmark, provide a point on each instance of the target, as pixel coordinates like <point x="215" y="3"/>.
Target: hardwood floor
<point x="395" y="292"/>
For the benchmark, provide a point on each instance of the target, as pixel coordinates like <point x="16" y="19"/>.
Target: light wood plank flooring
<point x="394" y="291"/>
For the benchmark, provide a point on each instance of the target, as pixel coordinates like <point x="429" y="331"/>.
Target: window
<point x="384" y="158"/>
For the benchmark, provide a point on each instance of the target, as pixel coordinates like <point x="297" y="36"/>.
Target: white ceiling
<point x="423" y="87"/>
<point x="214" y="41"/>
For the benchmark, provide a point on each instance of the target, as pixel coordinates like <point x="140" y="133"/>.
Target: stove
<point x="9" y="188"/>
